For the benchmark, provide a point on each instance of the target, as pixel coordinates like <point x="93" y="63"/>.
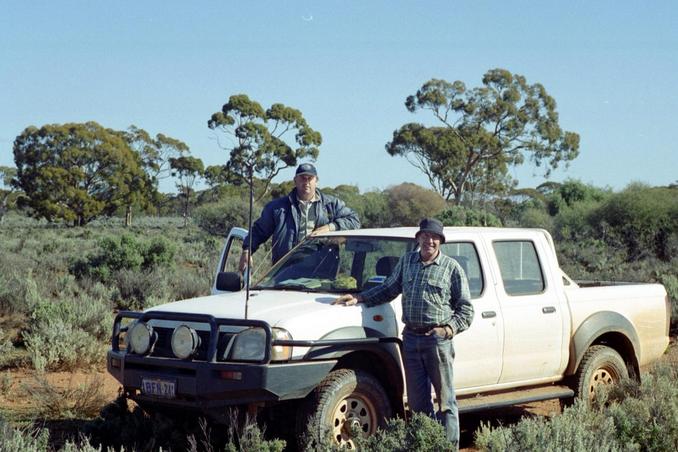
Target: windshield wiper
<point x="301" y="287"/>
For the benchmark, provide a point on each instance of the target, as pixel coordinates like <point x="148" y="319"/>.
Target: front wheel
<point x="600" y="366"/>
<point x="345" y="402"/>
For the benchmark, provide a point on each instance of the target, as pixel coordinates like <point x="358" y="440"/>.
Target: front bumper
<point x="211" y="386"/>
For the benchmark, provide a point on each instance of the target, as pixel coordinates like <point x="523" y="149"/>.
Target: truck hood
<point x="305" y="315"/>
<point x="266" y="305"/>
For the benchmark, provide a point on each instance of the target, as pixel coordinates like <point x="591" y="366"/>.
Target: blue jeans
<point x="428" y="361"/>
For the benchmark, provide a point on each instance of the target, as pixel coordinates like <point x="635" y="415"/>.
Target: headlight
<point x="185" y="341"/>
<point x="249" y="345"/>
<point x="139" y="337"/>
<point x="281" y="352"/>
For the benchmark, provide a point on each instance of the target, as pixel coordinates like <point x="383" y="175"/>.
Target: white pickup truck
<point x="291" y="356"/>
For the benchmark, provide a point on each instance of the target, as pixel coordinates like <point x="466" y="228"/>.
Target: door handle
<point x="489" y="314"/>
<point x="548" y="309"/>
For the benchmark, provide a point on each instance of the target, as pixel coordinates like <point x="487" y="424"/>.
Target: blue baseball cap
<point x="306" y="168"/>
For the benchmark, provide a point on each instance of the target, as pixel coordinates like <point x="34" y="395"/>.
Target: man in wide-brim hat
<point x="436" y="307"/>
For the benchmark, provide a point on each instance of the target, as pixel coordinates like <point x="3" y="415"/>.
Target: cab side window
<point x="465" y="253"/>
<point x="232" y="258"/>
<point x="519" y="266"/>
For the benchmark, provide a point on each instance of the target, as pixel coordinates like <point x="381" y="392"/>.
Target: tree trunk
<point x="128" y="216"/>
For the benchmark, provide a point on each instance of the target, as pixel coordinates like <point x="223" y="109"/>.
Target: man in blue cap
<point x="436" y="307"/>
<point x="289" y="219"/>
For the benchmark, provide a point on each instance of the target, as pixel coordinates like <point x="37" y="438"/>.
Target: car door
<point x="479" y="349"/>
<point x="230" y="255"/>
<point x="533" y="318"/>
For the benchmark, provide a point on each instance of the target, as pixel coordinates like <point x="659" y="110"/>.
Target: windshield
<point x="336" y="264"/>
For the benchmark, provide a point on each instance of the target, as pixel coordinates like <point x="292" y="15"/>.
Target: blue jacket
<point x="280" y="219"/>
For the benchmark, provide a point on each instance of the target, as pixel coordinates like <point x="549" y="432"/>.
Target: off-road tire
<point x="600" y="365"/>
<point x="345" y="400"/>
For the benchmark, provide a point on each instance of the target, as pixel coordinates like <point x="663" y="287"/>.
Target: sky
<point x="166" y="66"/>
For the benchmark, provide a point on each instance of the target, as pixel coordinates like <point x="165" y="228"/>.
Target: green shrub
<point x="6" y="345"/>
<point x="22" y="440"/>
<point x="644" y="219"/>
<point x="464" y="216"/>
<point x="670" y="282"/>
<point x="19" y="291"/>
<point x="252" y="439"/>
<point x="135" y="288"/>
<point x="629" y="416"/>
<point x="124" y="253"/>
<point x="536" y="218"/>
<point x="80" y="401"/>
<point x="187" y="283"/>
<point x="218" y="218"/>
<point x="577" y="429"/>
<point x="645" y="415"/>
<point x="68" y="333"/>
<point x="420" y="433"/>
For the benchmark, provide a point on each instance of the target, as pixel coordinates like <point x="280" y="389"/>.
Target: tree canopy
<point x="155" y="152"/>
<point x="186" y="170"/>
<point x="262" y="139"/>
<point x="482" y="132"/>
<point x="76" y="172"/>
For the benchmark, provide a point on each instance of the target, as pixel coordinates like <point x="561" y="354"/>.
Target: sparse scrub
<point x="420" y="433"/>
<point x="124" y="253"/>
<point x="68" y="333"/>
<point x="187" y="284"/>
<point x="630" y="416"/>
<point x="5" y="382"/>
<point x="80" y="401"/>
<point x="134" y="289"/>
<point x="22" y="440"/>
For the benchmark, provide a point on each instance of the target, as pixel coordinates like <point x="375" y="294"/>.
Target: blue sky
<point x="166" y="66"/>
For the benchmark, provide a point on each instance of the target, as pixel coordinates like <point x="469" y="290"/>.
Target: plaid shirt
<point x="432" y="295"/>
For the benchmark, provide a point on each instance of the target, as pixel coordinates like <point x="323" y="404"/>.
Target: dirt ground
<point x="16" y="401"/>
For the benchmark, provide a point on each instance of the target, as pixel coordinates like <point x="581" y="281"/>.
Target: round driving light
<point x="140" y="337"/>
<point x="185" y="341"/>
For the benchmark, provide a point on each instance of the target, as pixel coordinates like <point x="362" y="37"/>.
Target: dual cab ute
<point x="286" y="353"/>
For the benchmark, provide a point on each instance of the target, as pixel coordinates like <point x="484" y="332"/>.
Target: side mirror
<point x="229" y="281"/>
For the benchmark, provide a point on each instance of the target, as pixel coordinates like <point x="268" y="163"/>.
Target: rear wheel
<point x="600" y="366"/>
<point x="345" y="402"/>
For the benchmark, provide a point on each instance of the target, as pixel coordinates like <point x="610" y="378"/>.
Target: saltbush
<point x="22" y="440"/>
<point x="629" y="416"/>
<point x="69" y="333"/>
<point x="420" y="433"/>
<point x="134" y="289"/>
<point x="124" y="252"/>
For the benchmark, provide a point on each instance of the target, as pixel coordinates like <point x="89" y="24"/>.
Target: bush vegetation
<point x="630" y="416"/>
<point x="59" y="288"/>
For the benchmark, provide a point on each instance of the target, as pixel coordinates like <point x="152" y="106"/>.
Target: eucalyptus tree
<point x="186" y="169"/>
<point x="481" y="132"/>
<point x="76" y="172"/>
<point x="262" y="142"/>
<point x="155" y="153"/>
<point x="7" y="197"/>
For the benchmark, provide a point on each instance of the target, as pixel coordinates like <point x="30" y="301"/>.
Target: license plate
<point x="159" y="388"/>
